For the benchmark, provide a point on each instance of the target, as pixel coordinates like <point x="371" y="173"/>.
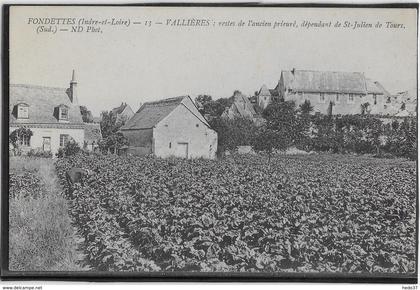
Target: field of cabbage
<point x="318" y="213"/>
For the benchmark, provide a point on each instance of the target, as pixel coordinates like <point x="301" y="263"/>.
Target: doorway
<point x="46" y="143"/>
<point x="182" y="150"/>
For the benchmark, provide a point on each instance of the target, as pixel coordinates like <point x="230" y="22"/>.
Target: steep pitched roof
<point x="264" y="91"/>
<point x="120" y="109"/>
<point x="325" y="81"/>
<point x="92" y="133"/>
<point x="243" y="104"/>
<point x="43" y="103"/>
<point x="152" y="113"/>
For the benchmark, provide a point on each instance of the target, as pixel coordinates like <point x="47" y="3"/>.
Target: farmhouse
<point x="329" y="92"/>
<point x="52" y="114"/>
<point x="170" y="127"/>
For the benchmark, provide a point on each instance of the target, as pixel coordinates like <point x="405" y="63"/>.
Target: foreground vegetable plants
<point x="246" y="213"/>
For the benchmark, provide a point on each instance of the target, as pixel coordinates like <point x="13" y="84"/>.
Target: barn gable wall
<point x="181" y="127"/>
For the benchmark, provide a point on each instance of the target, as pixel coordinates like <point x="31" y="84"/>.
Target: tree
<point x="364" y="108"/>
<point x="306" y="107"/>
<point x="18" y="136"/>
<point x="282" y="118"/>
<point x="86" y="114"/>
<point x="110" y="123"/>
<point x="113" y="143"/>
<point x="234" y="133"/>
<point x="71" y="148"/>
<point x="269" y="140"/>
<point x="212" y="108"/>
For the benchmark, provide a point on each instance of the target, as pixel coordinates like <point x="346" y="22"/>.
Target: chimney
<point x="73" y="89"/>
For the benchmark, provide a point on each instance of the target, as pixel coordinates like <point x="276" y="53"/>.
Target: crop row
<point x="318" y="213"/>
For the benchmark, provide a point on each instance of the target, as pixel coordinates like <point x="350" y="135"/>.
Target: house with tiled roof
<point x="123" y="113"/>
<point x="329" y="92"/>
<point x="52" y="114"/>
<point x="170" y="128"/>
<point x="242" y="107"/>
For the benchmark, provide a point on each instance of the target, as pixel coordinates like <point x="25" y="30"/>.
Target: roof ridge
<point x="168" y="100"/>
<point x="325" y="71"/>
<point x="36" y="86"/>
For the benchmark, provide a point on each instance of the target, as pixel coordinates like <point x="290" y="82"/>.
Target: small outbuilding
<point x="170" y="128"/>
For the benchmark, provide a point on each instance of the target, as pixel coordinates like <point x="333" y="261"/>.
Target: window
<point x="170" y="144"/>
<point x="24" y="140"/>
<point x="64" y="138"/>
<point x="337" y="98"/>
<point x="374" y="99"/>
<point x="196" y="125"/>
<point x="23" y="111"/>
<point x="322" y="97"/>
<point x="64" y="113"/>
<point x="351" y="98"/>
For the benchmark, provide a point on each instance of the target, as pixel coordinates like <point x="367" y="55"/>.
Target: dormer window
<point x="22" y="111"/>
<point x="63" y="113"/>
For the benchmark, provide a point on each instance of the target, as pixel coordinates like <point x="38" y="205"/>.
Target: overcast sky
<point x="136" y="64"/>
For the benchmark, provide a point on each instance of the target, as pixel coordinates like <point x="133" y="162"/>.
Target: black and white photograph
<point x="210" y="142"/>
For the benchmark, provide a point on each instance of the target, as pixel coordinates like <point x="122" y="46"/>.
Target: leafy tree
<point x="234" y="133"/>
<point x="364" y="107"/>
<point x="86" y="114"/>
<point x="113" y="143"/>
<point x="282" y="117"/>
<point x="110" y="123"/>
<point x="71" y="148"/>
<point x="306" y="107"/>
<point x="18" y="135"/>
<point x="268" y="140"/>
<point x="213" y="108"/>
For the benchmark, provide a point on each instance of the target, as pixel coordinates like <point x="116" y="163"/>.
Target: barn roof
<point x="42" y="102"/>
<point x="324" y="81"/>
<point x="152" y="113"/>
<point x="92" y="132"/>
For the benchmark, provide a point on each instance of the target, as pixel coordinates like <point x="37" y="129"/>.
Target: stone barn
<point x="170" y="128"/>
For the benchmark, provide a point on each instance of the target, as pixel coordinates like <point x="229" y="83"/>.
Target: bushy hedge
<point x="71" y="148"/>
<point x="39" y="153"/>
<point x="286" y="125"/>
<point x="363" y="134"/>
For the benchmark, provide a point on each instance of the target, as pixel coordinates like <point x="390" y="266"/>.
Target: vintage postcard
<point x="211" y="142"/>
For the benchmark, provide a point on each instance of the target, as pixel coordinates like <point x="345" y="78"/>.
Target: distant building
<point x="329" y="92"/>
<point x="241" y="108"/>
<point x="52" y="114"/>
<point x="123" y="113"/>
<point x="170" y="127"/>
